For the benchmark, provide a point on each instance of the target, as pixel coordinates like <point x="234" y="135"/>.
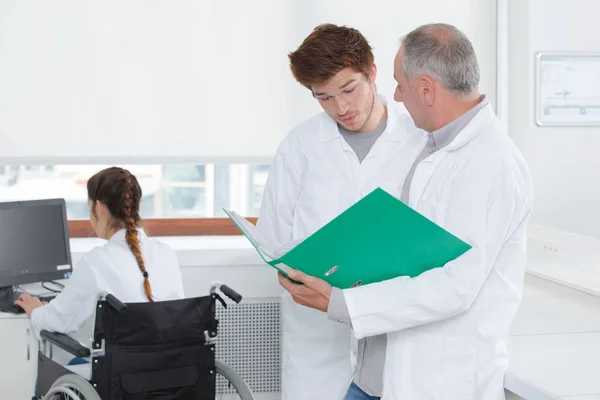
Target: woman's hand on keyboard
<point x="28" y="303"/>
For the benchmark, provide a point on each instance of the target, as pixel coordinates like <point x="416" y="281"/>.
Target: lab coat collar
<point x="119" y="236"/>
<point x="479" y="124"/>
<point x="329" y="128"/>
<point x="446" y="134"/>
<point x="483" y="118"/>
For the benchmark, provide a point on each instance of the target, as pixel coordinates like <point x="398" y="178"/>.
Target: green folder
<point x="377" y="238"/>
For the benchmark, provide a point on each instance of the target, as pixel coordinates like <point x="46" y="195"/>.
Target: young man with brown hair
<point x="325" y="165"/>
<point x="447" y="329"/>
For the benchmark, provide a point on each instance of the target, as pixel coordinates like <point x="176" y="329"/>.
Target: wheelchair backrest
<point x="144" y="350"/>
<point x="140" y="324"/>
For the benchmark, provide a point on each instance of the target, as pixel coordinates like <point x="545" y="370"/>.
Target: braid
<point x="130" y="217"/>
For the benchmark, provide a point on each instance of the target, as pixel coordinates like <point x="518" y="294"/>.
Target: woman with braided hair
<point x="131" y="266"/>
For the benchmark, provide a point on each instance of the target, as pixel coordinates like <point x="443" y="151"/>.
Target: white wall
<point x="564" y="161"/>
<point x="184" y="81"/>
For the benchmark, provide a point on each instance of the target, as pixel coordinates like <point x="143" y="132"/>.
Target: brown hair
<point x="328" y="50"/>
<point x="121" y="193"/>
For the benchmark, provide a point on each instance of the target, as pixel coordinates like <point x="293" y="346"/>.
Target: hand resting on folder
<point x="312" y="292"/>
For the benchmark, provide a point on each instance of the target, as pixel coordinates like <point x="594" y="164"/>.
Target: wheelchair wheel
<point x="230" y="385"/>
<point x="71" y="387"/>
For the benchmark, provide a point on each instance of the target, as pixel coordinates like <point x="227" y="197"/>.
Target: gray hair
<point x="445" y="53"/>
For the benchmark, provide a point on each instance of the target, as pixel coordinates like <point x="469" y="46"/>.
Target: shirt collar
<point x="119" y="236"/>
<point x="445" y="135"/>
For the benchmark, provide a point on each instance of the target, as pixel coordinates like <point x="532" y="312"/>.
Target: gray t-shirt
<point x="362" y="142"/>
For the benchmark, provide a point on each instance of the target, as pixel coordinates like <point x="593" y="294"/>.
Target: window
<point x="258" y="175"/>
<point x="173" y="195"/>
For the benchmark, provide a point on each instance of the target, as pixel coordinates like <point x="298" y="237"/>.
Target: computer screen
<point x="34" y="242"/>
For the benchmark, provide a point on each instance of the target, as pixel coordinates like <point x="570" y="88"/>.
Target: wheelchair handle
<point x="115" y="303"/>
<point x="226" y="290"/>
<point x="232" y="294"/>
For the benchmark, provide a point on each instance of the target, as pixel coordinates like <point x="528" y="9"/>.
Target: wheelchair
<point x="163" y="350"/>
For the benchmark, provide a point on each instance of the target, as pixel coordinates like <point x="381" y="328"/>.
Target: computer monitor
<point x="34" y="242"/>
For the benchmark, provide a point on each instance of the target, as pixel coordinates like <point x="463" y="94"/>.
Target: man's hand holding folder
<point x="312" y="292"/>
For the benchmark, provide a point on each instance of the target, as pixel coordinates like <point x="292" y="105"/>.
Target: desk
<point x="19" y="351"/>
<point x="19" y="348"/>
<point x="554" y="344"/>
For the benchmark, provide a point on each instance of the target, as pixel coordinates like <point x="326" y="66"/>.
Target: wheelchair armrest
<point x="66" y="343"/>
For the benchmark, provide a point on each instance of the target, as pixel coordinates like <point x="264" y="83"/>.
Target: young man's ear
<point x="372" y="74"/>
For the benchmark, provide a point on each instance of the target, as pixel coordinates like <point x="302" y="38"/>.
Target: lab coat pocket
<point x="439" y="366"/>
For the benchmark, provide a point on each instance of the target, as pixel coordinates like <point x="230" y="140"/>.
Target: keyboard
<point x="7" y="303"/>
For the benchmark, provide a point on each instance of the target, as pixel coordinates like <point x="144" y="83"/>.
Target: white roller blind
<point x="177" y="81"/>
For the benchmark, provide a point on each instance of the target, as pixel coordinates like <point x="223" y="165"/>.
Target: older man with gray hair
<point x="446" y="330"/>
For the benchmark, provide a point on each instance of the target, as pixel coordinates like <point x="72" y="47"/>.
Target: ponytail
<point x="131" y="235"/>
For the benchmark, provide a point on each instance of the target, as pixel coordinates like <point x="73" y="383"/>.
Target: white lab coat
<point x="314" y="177"/>
<point x="111" y="268"/>
<point x="447" y="329"/>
